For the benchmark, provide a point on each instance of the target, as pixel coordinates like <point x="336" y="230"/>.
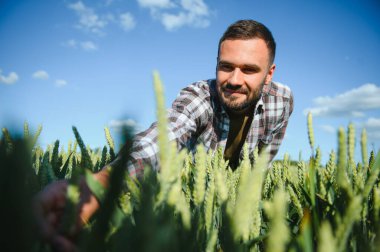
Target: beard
<point x="232" y="103"/>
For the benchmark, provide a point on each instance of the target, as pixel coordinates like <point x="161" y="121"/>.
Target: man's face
<point x="242" y="71"/>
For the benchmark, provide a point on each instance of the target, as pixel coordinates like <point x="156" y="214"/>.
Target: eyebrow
<point x="254" y="66"/>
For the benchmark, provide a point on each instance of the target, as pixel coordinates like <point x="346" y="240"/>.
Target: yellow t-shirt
<point x="239" y="127"/>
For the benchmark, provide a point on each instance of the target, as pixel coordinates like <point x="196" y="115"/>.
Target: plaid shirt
<point x="197" y="116"/>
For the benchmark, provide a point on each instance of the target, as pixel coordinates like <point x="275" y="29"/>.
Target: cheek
<point x="255" y="81"/>
<point x="221" y="76"/>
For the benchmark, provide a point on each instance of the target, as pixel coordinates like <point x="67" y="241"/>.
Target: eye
<point x="249" y="70"/>
<point x="225" y="67"/>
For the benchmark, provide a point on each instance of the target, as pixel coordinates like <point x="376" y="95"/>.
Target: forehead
<point x="248" y="51"/>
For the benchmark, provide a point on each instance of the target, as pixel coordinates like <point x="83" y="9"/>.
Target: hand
<point x="49" y="207"/>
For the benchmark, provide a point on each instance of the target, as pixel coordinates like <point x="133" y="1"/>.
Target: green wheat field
<point x="197" y="203"/>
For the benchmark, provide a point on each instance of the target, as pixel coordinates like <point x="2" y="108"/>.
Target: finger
<point x="47" y="206"/>
<point x="61" y="243"/>
<point x="52" y="196"/>
<point x="43" y="220"/>
<point x="88" y="204"/>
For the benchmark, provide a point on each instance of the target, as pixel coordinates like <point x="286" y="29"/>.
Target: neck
<point x="241" y="113"/>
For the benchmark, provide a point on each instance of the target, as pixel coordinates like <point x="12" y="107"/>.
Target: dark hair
<point x="249" y="29"/>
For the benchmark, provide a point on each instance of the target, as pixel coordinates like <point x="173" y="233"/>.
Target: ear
<point x="216" y="67"/>
<point x="268" y="78"/>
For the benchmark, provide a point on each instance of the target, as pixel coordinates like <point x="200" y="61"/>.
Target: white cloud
<point x="172" y="22"/>
<point x="372" y="126"/>
<point x="328" y="128"/>
<point x="118" y="125"/>
<point x="85" y="45"/>
<point x="60" y="83"/>
<point x="155" y="4"/>
<point x="70" y="43"/>
<point x="108" y="2"/>
<point x="96" y="21"/>
<point x="372" y="123"/>
<point x="89" y="20"/>
<point x="127" y="21"/>
<point x="88" y="46"/>
<point x="40" y="75"/>
<point x="10" y="79"/>
<point x="192" y="13"/>
<point x="196" y="7"/>
<point x="353" y="103"/>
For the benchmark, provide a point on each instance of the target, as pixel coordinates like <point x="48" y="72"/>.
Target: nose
<point x="236" y="77"/>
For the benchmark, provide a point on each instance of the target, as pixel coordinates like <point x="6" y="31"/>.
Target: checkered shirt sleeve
<point x="189" y="112"/>
<point x="279" y="104"/>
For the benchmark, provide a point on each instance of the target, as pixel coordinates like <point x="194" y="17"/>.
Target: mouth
<point x="229" y="91"/>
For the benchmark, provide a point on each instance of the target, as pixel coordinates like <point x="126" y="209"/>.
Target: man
<point x="242" y="105"/>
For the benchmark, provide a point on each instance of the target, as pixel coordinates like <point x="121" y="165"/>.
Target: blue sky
<point x="90" y="63"/>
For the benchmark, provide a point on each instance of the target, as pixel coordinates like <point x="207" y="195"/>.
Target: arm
<point x="279" y="132"/>
<point x="189" y="113"/>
